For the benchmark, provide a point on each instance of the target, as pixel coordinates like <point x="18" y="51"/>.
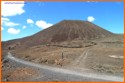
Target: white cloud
<point x="6" y="22"/>
<point x="24" y="27"/>
<point x="13" y="31"/>
<point x="2" y="28"/>
<point x="11" y="24"/>
<point x="43" y="24"/>
<point x="12" y="8"/>
<point x="5" y="19"/>
<point x="30" y="21"/>
<point x="90" y="18"/>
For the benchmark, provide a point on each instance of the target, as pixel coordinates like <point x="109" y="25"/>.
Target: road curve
<point x="60" y="74"/>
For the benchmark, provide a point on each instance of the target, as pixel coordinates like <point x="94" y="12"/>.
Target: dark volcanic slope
<point x="66" y="30"/>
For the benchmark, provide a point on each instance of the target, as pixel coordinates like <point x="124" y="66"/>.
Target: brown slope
<point x="66" y="30"/>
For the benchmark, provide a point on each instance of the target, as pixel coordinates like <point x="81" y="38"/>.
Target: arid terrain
<point x="72" y="45"/>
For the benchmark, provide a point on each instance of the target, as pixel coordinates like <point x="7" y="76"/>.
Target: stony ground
<point x="106" y="56"/>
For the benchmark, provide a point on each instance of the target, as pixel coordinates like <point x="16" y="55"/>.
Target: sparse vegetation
<point x="71" y="40"/>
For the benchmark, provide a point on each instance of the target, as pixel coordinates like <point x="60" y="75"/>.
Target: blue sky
<point x="21" y="19"/>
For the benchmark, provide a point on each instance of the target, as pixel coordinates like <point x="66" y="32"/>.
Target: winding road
<point x="60" y="74"/>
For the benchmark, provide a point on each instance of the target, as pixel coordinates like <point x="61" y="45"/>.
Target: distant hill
<point x="66" y="30"/>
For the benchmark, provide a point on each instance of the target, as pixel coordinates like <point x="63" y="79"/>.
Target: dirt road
<point x="59" y="74"/>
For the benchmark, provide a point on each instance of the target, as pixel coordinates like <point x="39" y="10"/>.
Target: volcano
<point x="66" y="30"/>
<point x="74" y="45"/>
